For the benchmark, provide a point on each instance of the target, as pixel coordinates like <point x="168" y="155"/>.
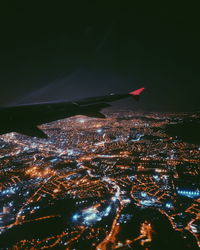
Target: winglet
<point x="137" y="92"/>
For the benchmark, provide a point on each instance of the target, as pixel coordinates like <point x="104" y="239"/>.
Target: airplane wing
<point x="25" y="119"/>
<point x="110" y="98"/>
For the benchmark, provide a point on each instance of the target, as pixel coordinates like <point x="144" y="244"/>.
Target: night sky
<point x="54" y="52"/>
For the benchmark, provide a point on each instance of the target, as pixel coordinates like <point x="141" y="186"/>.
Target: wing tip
<point x="137" y="92"/>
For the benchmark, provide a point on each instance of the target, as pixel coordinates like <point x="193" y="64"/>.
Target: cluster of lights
<point x="189" y="193"/>
<point x="91" y="215"/>
<point x="88" y="216"/>
<point x="143" y="194"/>
<point x="168" y="205"/>
<point x="38" y="172"/>
<point x="114" y="198"/>
<point x="138" y="137"/>
<point x="156" y="177"/>
<point x="10" y="190"/>
<point x="147" y="202"/>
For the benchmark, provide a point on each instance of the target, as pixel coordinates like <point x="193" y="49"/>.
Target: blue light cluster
<point x="90" y="215"/>
<point x="75" y="217"/>
<point x="192" y="194"/>
<point x="143" y="194"/>
<point x="10" y="190"/>
<point x="169" y="205"/>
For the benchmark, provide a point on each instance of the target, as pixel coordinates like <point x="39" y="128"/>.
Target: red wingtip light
<point x="137" y="92"/>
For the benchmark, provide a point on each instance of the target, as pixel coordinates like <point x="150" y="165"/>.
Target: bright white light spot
<point x="99" y="130"/>
<point x="168" y="205"/>
<point x="90" y="217"/>
<point x="108" y="209"/>
<point x="143" y="194"/>
<point x="114" y="198"/>
<point x="127" y="200"/>
<point x="70" y="151"/>
<point x="75" y="217"/>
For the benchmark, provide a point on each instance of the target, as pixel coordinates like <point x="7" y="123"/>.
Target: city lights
<point x="93" y="179"/>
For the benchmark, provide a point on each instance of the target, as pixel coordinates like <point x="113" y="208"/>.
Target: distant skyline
<point x="52" y="52"/>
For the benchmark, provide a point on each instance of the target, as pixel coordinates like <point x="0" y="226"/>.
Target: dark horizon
<point x="53" y="53"/>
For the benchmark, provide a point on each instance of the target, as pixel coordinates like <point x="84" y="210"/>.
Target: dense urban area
<point x="116" y="183"/>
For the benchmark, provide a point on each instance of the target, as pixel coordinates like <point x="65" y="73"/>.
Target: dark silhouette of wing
<point x="25" y="118"/>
